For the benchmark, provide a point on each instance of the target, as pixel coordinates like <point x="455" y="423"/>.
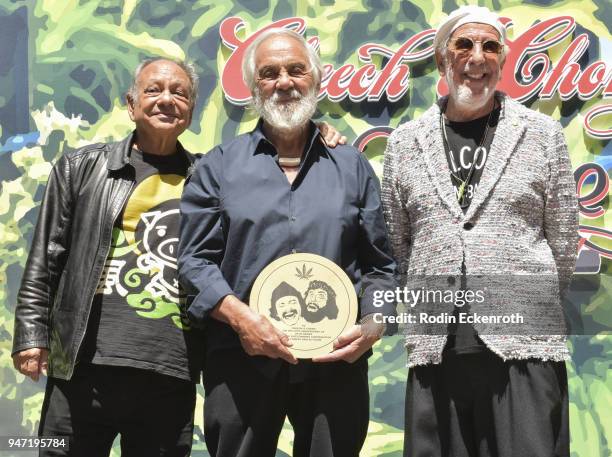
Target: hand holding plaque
<point x="309" y="298"/>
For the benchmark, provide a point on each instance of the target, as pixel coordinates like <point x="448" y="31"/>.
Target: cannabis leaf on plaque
<point x="304" y="273"/>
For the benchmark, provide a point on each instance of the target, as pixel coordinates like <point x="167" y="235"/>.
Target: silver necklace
<point x="463" y="183"/>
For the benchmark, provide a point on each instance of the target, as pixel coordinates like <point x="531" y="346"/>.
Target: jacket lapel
<point x="429" y="138"/>
<point x="509" y="131"/>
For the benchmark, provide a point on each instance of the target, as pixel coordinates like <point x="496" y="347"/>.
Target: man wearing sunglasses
<point x="480" y="186"/>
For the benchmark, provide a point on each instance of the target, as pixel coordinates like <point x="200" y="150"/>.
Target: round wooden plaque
<point x="309" y="298"/>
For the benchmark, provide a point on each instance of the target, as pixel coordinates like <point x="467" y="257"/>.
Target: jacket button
<point x="468" y="226"/>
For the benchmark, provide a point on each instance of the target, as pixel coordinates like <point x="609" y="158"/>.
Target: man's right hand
<point x="31" y="362"/>
<point x="257" y="335"/>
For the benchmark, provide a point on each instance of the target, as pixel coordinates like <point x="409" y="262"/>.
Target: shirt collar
<point x="258" y="137"/>
<point x="121" y="151"/>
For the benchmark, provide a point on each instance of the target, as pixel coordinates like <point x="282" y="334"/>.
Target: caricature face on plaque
<point x="309" y="298"/>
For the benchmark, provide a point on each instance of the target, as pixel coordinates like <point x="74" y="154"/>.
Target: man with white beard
<point x="480" y="185"/>
<point x="271" y="192"/>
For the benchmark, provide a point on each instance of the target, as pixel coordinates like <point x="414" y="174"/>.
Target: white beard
<point x="286" y="116"/>
<point x="463" y="96"/>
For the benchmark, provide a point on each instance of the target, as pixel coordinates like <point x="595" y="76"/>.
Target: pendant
<point x="461" y="192"/>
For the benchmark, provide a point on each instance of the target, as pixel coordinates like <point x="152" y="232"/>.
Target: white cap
<point x="466" y="15"/>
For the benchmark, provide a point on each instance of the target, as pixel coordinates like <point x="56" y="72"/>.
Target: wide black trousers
<point x="244" y="409"/>
<point x="153" y="413"/>
<point x="477" y="405"/>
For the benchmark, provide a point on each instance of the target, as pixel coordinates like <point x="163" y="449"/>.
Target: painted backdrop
<point x="64" y="66"/>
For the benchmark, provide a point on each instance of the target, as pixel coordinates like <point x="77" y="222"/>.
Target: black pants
<point x="244" y="410"/>
<point x="477" y="405"/>
<point x="153" y="413"/>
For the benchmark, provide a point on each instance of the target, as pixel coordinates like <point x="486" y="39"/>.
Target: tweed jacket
<point x="523" y="220"/>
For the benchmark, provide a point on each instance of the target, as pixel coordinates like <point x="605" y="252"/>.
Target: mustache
<point x="474" y="67"/>
<point x="293" y="94"/>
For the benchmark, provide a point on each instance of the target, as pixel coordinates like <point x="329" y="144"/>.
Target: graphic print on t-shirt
<point x="467" y="150"/>
<point x="142" y="265"/>
<point x="137" y="317"/>
<point x="460" y="164"/>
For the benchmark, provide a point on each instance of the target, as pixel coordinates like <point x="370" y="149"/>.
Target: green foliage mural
<point x="65" y="66"/>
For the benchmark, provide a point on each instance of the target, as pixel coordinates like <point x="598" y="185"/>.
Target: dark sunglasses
<point x="465" y="44"/>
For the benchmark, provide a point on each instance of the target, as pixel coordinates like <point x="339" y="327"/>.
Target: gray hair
<point x="187" y="67"/>
<point x="248" y="62"/>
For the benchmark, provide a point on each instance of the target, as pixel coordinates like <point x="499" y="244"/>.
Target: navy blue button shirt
<point x="239" y="213"/>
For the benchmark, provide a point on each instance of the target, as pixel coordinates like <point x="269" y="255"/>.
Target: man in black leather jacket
<point x="99" y="304"/>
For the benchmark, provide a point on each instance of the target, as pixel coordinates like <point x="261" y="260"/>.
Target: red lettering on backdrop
<point x="358" y="87"/>
<point x="394" y="77"/>
<point x="535" y="40"/>
<point x="564" y="76"/>
<point x="590" y="202"/>
<point x="598" y="111"/>
<point x="593" y="78"/>
<point x="337" y="82"/>
<point x="537" y="74"/>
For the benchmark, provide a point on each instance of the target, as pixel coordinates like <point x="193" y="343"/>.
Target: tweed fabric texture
<point x="523" y="220"/>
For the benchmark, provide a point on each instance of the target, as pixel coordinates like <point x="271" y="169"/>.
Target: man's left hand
<point x="331" y="136"/>
<point x="349" y="346"/>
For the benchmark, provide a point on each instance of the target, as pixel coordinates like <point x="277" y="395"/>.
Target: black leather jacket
<point x="86" y="191"/>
